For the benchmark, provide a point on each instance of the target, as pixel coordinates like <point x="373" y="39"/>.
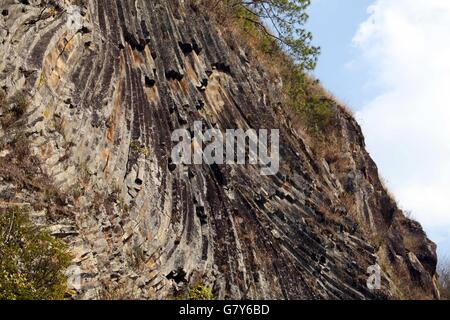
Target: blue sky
<point x="334" y="24"/>
<point x="388" y="61"/>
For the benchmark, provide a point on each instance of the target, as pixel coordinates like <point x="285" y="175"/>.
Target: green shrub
<point x="318" y="112"/>
<point x="32" y="262"/>
<point x="307" y="97"/>
<point x="140" y="149"/>
<point x="42" y="79"/>
<point x="200" y="292"/>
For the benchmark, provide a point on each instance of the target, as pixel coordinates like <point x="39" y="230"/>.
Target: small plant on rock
<point x="200" y="292"/>
<point x="42" y="80"/>
<point x="140" y="149"/>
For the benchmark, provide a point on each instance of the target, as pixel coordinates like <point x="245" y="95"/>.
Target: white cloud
<point x="407" y="46"/>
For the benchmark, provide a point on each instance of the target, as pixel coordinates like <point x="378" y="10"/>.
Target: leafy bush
<point x="200" y="292"/>
<point x="306" y="97"/>
<point x="140" y="149"/>
<point x="32" y="261"/>
<point x="42" y="79"/>
<point x="318" y="112"/>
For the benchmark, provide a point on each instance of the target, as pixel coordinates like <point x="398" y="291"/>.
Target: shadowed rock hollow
<point x="108" y="82"/>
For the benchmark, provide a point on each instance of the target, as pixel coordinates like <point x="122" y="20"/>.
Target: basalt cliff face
<point x="107" y="83"/>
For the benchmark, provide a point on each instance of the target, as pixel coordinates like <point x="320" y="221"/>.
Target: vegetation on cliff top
<point x="286" y="19"/>
<point x="274" y="31"/>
